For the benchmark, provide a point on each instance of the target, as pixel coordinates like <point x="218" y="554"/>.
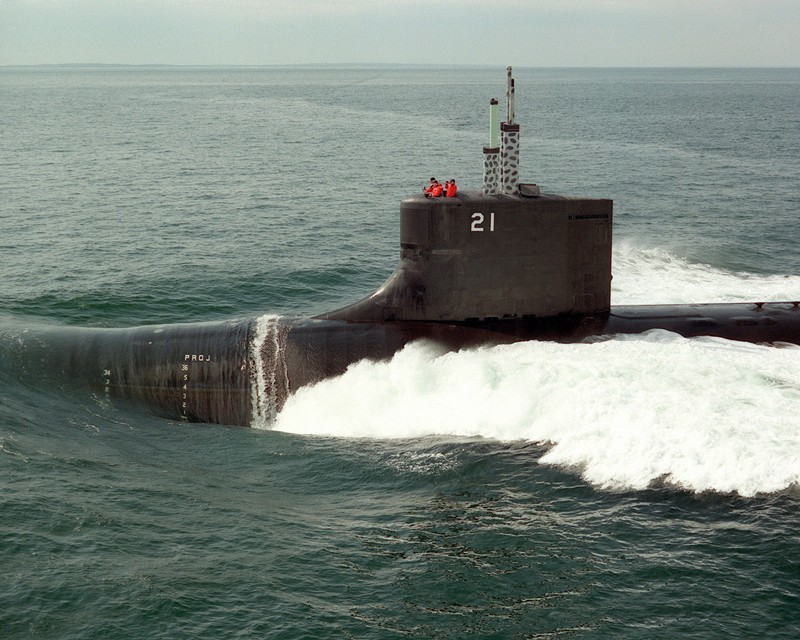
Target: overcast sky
<point x="498" y="32"/>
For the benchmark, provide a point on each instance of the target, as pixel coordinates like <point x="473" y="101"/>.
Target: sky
<point x="535" y="33"/>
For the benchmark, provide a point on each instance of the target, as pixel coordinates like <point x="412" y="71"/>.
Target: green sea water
<point x="637" y="488"/>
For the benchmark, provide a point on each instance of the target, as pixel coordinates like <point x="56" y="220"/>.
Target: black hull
<point x="226" y="373"/>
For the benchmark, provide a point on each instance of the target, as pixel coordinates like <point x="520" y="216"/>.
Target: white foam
<point x="704" y="414"/>
<point x="269" y="377"/>
<point x="656" y="276"/>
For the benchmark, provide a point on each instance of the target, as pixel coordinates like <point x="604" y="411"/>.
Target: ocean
<point x="640" y="487"/>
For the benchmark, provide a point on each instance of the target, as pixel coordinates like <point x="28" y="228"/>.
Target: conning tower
<point x="506" y="252"/>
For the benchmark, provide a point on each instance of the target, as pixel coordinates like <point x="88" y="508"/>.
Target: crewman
<point x="450" y="189"/>
<point x="434" y="190"/>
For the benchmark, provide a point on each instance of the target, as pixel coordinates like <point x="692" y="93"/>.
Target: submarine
<point x="499" y="264"/>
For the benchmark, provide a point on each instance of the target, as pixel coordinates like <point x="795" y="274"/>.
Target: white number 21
<point x="478" y="219"/>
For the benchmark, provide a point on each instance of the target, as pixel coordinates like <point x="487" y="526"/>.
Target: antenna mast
<point x="509" y="144"/>
<point x="510" y="95"/>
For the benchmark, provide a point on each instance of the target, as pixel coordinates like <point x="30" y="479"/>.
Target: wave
<point x="657" y="276"/>
<point x="701" y="414"/>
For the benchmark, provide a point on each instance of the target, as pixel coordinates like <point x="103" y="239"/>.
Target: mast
<point x="509" y="145"/>
<point x="491" y="153"/>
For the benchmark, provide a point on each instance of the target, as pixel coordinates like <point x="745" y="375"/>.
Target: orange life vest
<point x="452" y="189"/>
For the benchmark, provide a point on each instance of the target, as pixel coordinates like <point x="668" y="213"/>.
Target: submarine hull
<point x="218" y="372"/>
<point x="241" y="371"/>
<point x="195" y="372"/>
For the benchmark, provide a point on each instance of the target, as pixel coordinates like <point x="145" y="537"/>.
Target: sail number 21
<point x="478" y="220"/>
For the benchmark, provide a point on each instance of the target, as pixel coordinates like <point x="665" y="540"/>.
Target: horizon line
<point x="372" y="64"/>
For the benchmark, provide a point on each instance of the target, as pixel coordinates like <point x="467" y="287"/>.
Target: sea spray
<point x="269" y="377"/>
<point x="702" y="414"/>
<point x="658" y="276"/>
